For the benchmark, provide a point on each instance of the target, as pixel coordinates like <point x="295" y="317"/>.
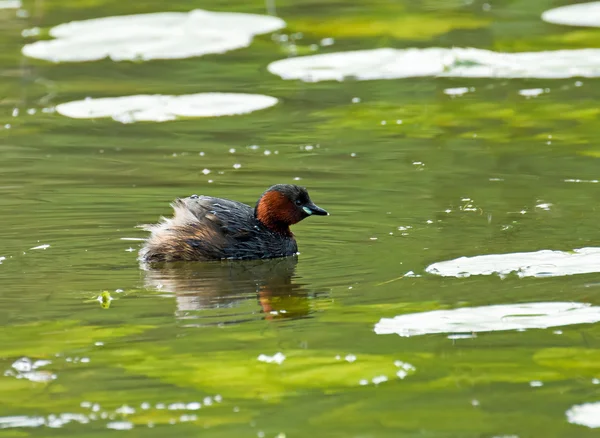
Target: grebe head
<point x="283" y="205"/>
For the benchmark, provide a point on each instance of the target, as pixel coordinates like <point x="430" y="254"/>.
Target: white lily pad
<point x="544" y="263"/>
<point x="378" y="64"/>
<point x="162" y="108"/>
<point x="581" y="14"/>
<point x="490" y="318"/>
<point x="587" y="414"/>
<point x="165" y="35"/>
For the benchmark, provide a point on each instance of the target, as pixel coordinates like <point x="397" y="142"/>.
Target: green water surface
<point x="172" y="340"/>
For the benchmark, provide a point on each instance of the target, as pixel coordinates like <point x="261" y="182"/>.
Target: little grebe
<point x="206" y="228"/>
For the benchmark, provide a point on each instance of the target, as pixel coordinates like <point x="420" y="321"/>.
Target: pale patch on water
<point x="453" y="92"/>
<point x="411" y="274"/>
<point x="462" y="336"/>
<point x="489" y="318"/>
<point x="544" y="263"/>
<point x="95" y="413"/>
<point x="404" y="369"/>
<point x="277" y="358"/>
<point x="531" y="92"/>
<point x="120" y="425"/>
<point x="162" y="108"/>
<point x="125" y="410"/>
<point x="33" y="32"/>
<point x="46" y="246"/>
<point x="572" y="180"/>
<point x="166" y="35"/>
<point x="582" y="14"/>
<point x="388" y="63"/>
<point x="21" y="421"/>
<point x="379" y="379"/>
<point x="10" y="4"/>
<point x="53" y="421"/>
<point x="350" y="358"/>
<point x="25" y="364"/>
<point x="26" y="368"/>
<point x="587" y="414"/>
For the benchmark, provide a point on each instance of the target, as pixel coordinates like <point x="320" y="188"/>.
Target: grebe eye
<point x="298" y="202"/>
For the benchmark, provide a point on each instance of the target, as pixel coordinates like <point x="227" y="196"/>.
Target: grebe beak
<point x="311" y="208"/>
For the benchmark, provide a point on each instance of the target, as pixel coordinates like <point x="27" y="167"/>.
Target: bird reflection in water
<point x="227" y="285"/>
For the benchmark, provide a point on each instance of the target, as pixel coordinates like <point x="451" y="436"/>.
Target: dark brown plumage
<point x="205" y="228"/>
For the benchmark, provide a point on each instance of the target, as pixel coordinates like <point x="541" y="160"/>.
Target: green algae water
<point x="414" y="171"/>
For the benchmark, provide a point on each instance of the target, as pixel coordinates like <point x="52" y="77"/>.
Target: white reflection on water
<point x="582" y="14"/>
<point x="162" y="108"/>
<point x="165" y="35"/>
<point x="490" y="318"/>
<point x="10" y="4"/>
<point x="96" y="413"/>
<point x="53" y="421"/>
<point x="587" y="414"/>
<point x="544" y="263"/>
<point x="453" y="92"/>
<point x="388" y="63"/>
<point x="120" y="425"/>
<point x="26" y="368"/>
<point x="45" y="246"/>
<point x="531" y="92"/>
<point x="277" y="358"/>
<point x="404" y="369"/>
